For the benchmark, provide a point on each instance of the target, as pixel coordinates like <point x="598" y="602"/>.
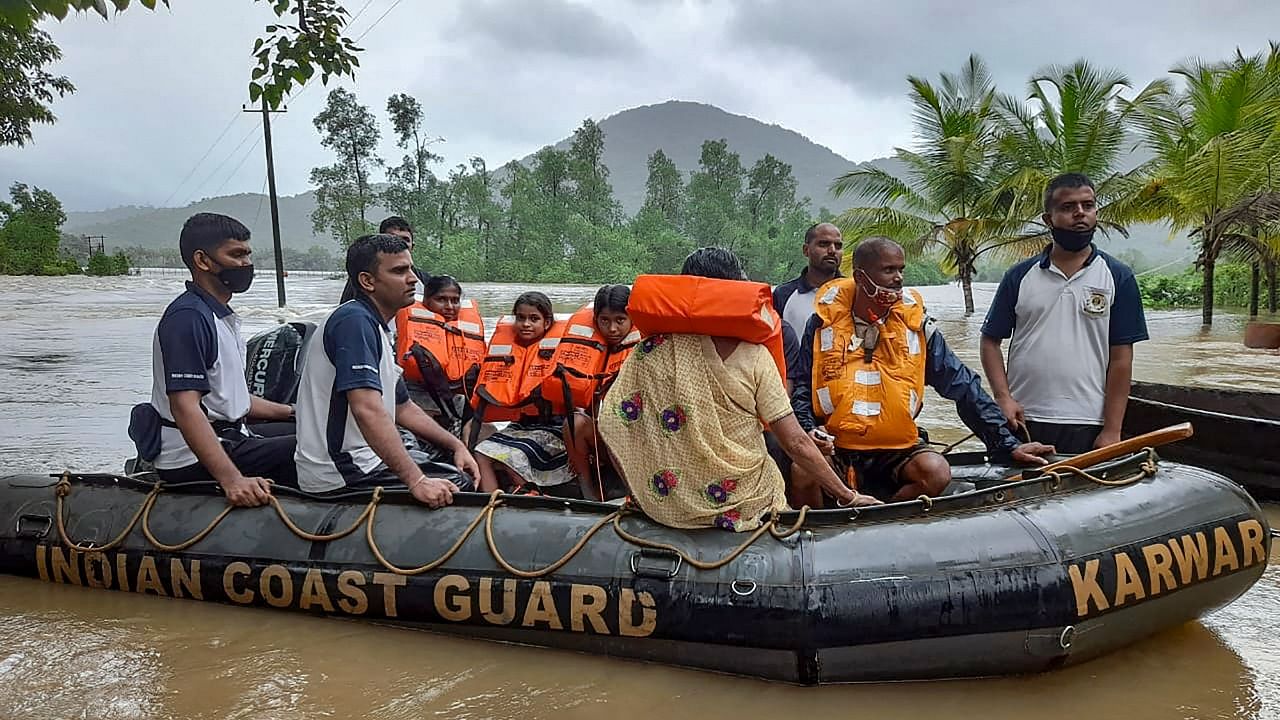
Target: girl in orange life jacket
<point x="614" y="325"/>
<point x="443" y="295"/>
<point x="530" y="450"/>
<point x="438" y="343"/>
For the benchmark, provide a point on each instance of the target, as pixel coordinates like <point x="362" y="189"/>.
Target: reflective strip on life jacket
<point x="511" y="374"/>
<point x="583" y="363"/>
<point x="868" y="405"/>
<point x="447" y="347"/>
<point x="693" y="305"/>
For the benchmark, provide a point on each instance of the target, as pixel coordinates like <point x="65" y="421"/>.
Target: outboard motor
<point x="273" y="365"/>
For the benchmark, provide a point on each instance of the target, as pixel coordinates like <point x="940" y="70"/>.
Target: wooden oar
<point x="1155" y="438"/>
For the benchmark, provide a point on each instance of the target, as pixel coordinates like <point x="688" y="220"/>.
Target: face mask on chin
<point x="1072" y="240"/>
<point x="882" y="296"/>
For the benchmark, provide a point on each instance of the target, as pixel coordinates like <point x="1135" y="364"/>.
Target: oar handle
<point x="1155" y="438"/>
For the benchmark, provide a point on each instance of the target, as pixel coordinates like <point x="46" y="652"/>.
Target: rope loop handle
<point x="1147" y="468"/>
<point x="62" y="490"/>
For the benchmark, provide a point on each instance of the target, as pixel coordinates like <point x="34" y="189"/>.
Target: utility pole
<point x="271" y="189"/>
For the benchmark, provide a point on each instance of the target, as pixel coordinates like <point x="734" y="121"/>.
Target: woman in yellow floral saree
<point x="685" y="419"/>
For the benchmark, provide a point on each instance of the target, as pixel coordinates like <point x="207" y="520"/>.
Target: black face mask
<point x="1072" y="240"/>
<point x="236" y="279"/>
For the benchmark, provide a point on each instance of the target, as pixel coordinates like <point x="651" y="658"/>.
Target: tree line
<point x="554" y="219"/>
<point x="31" y="241"/>
<point x="981" y="159"/>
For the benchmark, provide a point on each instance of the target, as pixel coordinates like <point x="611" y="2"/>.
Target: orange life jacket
<point x="868" y="405"/>
<point x="583" y="363"/>
<point x="450" y="348"/>
<point x="693" y="305"/>
<point x="511" y="375"/>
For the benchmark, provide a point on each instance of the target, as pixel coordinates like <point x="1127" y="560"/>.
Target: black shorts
<point x="1065" y="439"/>
<point x="878" y="471"/>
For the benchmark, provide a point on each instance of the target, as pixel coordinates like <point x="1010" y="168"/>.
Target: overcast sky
<point x="501" y="78"/>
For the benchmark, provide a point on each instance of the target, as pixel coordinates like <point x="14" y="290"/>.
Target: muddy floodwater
<point x="75" y="355"/>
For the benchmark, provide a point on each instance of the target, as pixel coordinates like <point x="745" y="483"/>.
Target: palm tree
<point x="1073" y="119"/>
<point x="952" y="197"/>
<point x="1215" y="145"/>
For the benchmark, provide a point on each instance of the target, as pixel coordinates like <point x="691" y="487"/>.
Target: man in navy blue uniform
<point x="822" y="249"/>
<point x="198" y="385"/>
<point x="1074" y="313"/>
<point x="352" y="396"/>
<point x="398" y="227"/>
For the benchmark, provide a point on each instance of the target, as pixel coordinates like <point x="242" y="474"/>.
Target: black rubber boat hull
<point x="1237" y="432"/>
<point x="1011" y="578"/>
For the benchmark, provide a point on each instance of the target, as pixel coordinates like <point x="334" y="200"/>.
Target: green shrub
<point x="103" y="264"/>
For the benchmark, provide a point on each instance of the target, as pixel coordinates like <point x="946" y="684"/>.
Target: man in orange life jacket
<point x="866" y="355"/>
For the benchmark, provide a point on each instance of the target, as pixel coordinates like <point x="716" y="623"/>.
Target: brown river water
<point x="75" y="354"/>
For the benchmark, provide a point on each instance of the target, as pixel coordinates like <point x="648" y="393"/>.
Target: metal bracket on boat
<point x="1050" y="642"/>
<point x="655" y="563"/>
<point x="743" y="588"/>
<point x="33" y="526"/>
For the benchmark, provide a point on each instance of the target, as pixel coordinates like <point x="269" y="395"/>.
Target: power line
<point x="367" y="30"/>
<point x="227" y="128"/>
<point x="359" y="12"/>
<point x="375" y="22"/>
<point x="238" y="165"/>
<point x="193" y="169"/>
<point x="222" y="164"/>
<point x="262" y="194"/>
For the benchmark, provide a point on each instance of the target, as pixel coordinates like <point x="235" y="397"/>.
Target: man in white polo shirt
<point x="351" y="396"/>
<point x="199" y="397"/>
<point x="1074" y="313"/>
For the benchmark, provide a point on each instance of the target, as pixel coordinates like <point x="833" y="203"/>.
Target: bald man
<point x="822" y="248"/>
<point x="875" y="349"/>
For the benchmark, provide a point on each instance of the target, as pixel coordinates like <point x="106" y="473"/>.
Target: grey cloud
<point x="553" y="27"/>
<point x="873" y="46"/>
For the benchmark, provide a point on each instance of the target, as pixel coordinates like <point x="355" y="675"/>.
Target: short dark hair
<point x="395" y="222"/>
<point x="611" y="297"/>
<point x="362" y="256"/>
<point x="535" y="300"/>
<point x="206" y="231"/>
<point x="1065" y="180"/>
<point x="870" y="249"/>
<point x="438" y="283"/>
<point x="714" y="262"/>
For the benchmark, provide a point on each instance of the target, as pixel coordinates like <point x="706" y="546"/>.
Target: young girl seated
<point x="442" y="295"/>
<point x="530" y="451"/>
<point x="614" y="325"/>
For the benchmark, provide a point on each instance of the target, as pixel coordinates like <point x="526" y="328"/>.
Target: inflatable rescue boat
<point x="1003" y="576"/>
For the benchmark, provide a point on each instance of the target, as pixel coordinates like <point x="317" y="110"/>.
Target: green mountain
<point x="679" y="128"/>
<point x="158" y="227"/>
